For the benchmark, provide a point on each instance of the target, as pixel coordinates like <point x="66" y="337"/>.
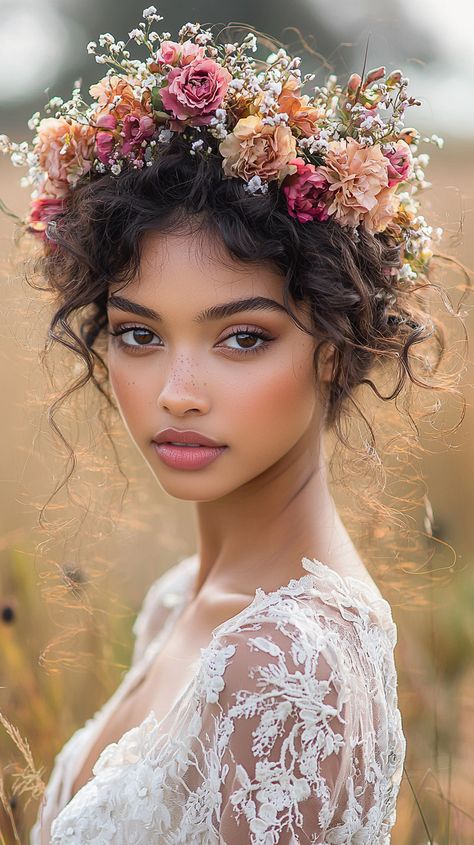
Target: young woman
<point x="240" y="256"/>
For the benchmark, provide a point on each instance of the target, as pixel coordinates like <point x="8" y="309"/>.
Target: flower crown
<point x="332" y="154"/>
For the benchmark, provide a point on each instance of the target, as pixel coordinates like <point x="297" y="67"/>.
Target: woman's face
<point x="245" y="379"/>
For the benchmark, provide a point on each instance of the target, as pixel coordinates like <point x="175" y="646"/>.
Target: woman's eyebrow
<point x="215" y="312"/>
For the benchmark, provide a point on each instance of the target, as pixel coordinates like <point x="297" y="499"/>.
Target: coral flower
<point x="65" y="151"/>
<point x="356" y="175"/>
<point x="300" y="114"/>
<point x="257" y="148"/>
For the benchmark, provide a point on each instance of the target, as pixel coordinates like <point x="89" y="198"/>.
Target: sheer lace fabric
<point x="289" y="731"/>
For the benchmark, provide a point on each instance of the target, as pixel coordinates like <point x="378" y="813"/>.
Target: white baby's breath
<point x="255" y="184"/>
<point x="436" y="139"/>
<point x="165" y="135"/>
<point x="406" y="273"/>
<point x="34" y="120"/>
<point x="150" y="14"/>
<point x="106" y="39"/>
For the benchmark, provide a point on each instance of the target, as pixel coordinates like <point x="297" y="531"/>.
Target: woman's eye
<point x="244" y="337"/>
<point x="248" y="338"/>
<point x="140" y="332"/>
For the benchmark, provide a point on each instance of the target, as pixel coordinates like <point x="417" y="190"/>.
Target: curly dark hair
<point x="359" y="309"/>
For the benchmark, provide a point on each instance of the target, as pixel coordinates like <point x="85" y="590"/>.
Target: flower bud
<point x="409" y="135"/>
<point x="353" y="83"/>
<point x="375" y="74"/>
<point x="394" y="78"/>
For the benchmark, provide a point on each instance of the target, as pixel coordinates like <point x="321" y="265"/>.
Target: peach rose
<point x="65" y="151"/>
<point x="195" y="91"/>
<point x="356" y="175"/>
<point x="383" y="212"/>
<point x="116" y="86"/>
<point x="300" y="115"/>
<point x="257" y="148"/>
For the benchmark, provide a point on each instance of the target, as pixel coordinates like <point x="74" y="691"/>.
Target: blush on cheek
<point x="283" y="401"/>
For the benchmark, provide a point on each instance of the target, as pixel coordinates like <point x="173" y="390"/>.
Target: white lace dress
<point x="288" y="732"/>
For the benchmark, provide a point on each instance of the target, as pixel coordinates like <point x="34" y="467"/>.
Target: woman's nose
<point x="182" y="391"/>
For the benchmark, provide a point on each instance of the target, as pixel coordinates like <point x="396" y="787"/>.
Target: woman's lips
<point x="187" y="457"/>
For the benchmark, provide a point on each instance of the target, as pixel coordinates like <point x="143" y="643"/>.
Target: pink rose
<point x="171" y="53"/>
<point x="127" y="136"/>
<point x="105" y="140"/>
<point x="168" y="53"/>
<point x="196" y="90"/>
<point x="400" y="163"/>
<point x="304" y="191"/>
<point x="43" y="209"/>
<point x="136" y="129"/>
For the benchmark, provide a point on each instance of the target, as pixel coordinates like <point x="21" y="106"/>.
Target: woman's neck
<point x="256" y="536"/>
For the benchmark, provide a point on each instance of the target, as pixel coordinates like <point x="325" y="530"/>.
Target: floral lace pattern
<point x="289" y="731"/>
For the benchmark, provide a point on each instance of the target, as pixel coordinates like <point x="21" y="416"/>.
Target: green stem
<point x="7" y="211"/>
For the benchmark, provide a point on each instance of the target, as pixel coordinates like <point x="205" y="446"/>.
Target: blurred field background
<point x="69" y="592"/>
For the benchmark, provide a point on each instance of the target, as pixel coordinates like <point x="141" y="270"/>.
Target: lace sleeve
<point x="300" y="735"/>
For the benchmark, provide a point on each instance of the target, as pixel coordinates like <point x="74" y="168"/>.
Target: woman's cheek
<point x="277" y="402"/>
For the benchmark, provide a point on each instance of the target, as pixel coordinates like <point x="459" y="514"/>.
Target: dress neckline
<point x="319" y="578"/>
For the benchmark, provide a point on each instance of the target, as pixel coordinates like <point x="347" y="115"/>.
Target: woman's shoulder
<point x="161" y="597"/>
<point x="319" y="605"/>
<point x="320" y="621"/>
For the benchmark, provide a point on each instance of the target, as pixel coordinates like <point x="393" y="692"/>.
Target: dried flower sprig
<point x="341" y="153"/>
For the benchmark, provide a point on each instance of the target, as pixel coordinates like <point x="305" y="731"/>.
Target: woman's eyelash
<point x="122" y="330"/>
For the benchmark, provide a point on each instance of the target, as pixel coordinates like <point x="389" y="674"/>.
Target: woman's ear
<point x="326" y="361"/>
